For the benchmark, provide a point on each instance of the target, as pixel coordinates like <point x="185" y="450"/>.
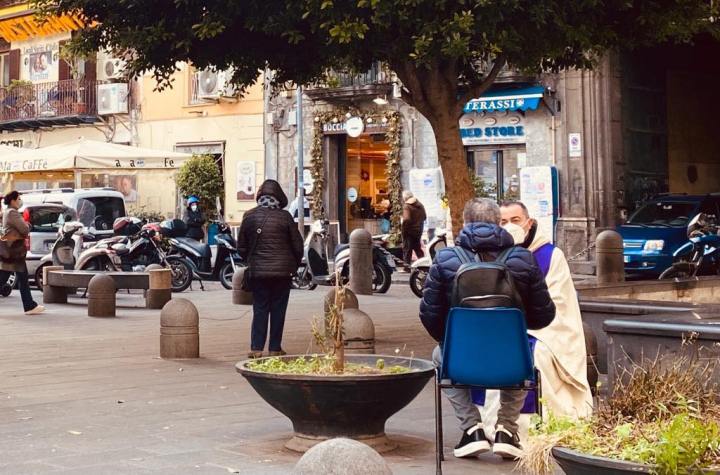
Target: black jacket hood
<point x="272" y="188"/>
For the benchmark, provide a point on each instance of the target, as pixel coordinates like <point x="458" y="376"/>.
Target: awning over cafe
<point x="507" y="99"/>
<point x="89" y="154"/>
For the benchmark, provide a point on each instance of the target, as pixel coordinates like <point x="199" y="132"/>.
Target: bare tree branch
<point x="477" y="90"/>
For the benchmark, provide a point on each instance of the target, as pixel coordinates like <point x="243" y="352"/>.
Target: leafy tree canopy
<point x="444" y="51"/>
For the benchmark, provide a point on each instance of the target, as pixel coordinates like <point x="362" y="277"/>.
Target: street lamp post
<point x="300" y="166"/>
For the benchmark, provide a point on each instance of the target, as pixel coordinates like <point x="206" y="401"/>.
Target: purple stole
<point x="543" y="256"/>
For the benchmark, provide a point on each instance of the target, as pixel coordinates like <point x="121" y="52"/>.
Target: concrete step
<point x="582" y="267"/>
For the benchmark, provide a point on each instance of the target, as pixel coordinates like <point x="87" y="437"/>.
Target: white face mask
<point x="193" y="207"/>
<point x="517" y="232"/>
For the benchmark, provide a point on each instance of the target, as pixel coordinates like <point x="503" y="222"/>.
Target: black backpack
<point x="484" y="283"/>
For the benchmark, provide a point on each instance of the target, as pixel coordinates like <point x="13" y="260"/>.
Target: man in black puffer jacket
<point x="269" y="241"/>
<point x="482" y="234"/>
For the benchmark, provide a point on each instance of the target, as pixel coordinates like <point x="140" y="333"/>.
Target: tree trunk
<point x="453" y="162"/>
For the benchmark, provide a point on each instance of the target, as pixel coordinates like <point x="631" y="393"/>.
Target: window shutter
<point x="14" y="59"/>
<point x="91" y="69"/>
<point x="63" y="66"/>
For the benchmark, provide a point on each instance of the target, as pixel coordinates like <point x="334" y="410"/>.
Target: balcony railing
<point x="375" y="81"/>
<point x="65" y="102"/>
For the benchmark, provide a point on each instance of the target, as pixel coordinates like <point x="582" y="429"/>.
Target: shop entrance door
<point x="363" y="190"/>
<point x="499" y="168"/>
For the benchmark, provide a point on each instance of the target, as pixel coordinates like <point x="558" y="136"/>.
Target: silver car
<point x="45" y="220"/>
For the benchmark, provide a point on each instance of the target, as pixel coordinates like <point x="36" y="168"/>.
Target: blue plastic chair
<point x="484" y="348"/>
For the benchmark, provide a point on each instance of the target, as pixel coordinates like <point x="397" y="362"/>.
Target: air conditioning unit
<point x="213" y="85"/>
<point x="109" y="67"/>
<point x="112" y="98"/>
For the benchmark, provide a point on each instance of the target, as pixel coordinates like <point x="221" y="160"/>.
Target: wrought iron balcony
<point x="50" y="104"/>
<point x="343" y="85"/>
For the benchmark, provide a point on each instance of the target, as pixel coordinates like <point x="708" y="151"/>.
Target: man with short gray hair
<point x="482" y="235"/>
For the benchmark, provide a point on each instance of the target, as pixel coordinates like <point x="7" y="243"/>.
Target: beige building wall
<point x="167" y="119"/>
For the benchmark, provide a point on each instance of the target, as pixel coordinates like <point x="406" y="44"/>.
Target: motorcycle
<point x="314" y="269"/>
<point x="421" y="267"/>
<point x="199" y="255"/>
<point x="134" y="247"/>
<point x="701" y="254"/>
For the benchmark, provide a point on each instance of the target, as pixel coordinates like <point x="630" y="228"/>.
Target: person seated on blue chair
<point x="482" y="234"/>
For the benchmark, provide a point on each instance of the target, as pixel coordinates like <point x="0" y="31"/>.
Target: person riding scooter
<point x="194" y="219"/>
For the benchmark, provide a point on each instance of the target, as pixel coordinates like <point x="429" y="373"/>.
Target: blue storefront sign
<point x="498" y="100"/>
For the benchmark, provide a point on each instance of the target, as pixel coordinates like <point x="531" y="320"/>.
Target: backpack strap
<point x="464" y="255"/>
<point x="503" y="256"/>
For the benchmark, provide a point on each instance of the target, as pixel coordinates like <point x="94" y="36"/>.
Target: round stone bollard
<point x="160" y="291"/>
<point x="179" y="333"/>
<point x="240" y="296"/>
<point x="342" y="457"/>
<point x="351" y="300"/>
<point x="361" y="262"/>
<point x="609" y="257"/>
<point x="101" y="296"/>
<point x="358" y="332"/>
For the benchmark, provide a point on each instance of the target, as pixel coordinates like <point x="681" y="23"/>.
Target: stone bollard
<point x="351" y="300"/>
<point x="179" y="333"/>
<point x="240" y="296"/>
<point x="101" y="296"/>
<point x="591" y="348"/>
<point x="361" y="262"/>
<point x="148" y="269"/>
<point x="609" y="257"/>
<point x="358" y="332"/>
<point x="342" y="457"/>
<point x="358" y="327"/>
<point x="160" y="291"/>
<point x="53" y="294"/>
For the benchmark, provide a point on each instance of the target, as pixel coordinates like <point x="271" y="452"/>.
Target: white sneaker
<point x="36" y="311"/>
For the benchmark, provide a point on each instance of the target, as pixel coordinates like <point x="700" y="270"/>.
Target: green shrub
<point x="200" y="176"/>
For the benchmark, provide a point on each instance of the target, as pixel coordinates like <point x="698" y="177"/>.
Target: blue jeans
<point x="270" y="301"/>
<point x="23" y="286"/>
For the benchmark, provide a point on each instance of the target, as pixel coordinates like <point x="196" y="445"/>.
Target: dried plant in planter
<point x="663" y="413"/>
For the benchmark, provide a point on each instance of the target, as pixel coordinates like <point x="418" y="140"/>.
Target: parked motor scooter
<point x="65" y="250"/>
<point x="315" y="269"/>
<point x="7" y="286"/>
<point x="199" y="256"/>
<point x="701" y="254"/>
<point x="421" y="267"/>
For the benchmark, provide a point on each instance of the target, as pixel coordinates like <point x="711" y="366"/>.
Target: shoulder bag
<point x="248" y="275"/>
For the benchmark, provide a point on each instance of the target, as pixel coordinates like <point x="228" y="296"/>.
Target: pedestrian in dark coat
<point x="482" y="234"/>
<point x="414" y="217"/>
<point x="194" y="219"/>
<point x="270" y="242"/>
<point x="14" y="228"/>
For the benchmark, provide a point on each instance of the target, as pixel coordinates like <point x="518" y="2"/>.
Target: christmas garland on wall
<point x="392" y="137"/>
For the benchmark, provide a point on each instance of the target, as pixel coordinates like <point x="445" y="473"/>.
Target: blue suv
<point x="658" y="228"/>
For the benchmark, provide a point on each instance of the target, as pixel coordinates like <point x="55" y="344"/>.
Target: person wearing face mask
<point x="194" y="219"/>
<point x="560" y="353"/>
<point x="14" y="232"/>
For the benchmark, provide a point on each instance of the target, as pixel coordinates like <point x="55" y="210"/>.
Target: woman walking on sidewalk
<point x="271" y="245"/>
<point x="13" y="235"/>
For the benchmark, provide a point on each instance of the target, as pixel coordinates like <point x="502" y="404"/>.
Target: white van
<point x="97" y="208"/>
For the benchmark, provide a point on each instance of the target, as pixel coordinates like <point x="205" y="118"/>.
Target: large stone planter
<point x="355" y="407"/>
<point x="578" y="463"/>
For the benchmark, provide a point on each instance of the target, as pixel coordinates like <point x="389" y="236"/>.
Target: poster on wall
<point x="539" y="192"/>
<point x="127" y="185"/>
<point x="246" y="181"/>
<point x="427" y="186"/>
<point x="40" y="64"/>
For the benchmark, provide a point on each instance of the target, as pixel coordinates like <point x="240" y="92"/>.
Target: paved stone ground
<point x="86" y="395"/>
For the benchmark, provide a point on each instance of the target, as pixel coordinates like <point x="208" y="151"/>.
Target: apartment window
<point x="4" y="69"/>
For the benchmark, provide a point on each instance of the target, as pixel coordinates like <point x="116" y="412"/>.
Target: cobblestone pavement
<point x="88" y="395"/>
